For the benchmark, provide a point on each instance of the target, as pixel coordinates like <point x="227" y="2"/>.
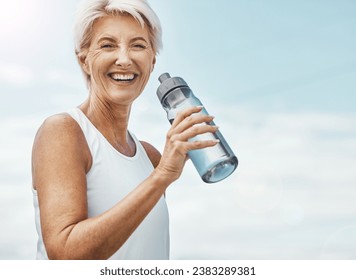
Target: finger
<point x="196" y="130"/>
<point x="195" y="145"/>
<point x="181" y="115"/>
<point x="191" y="121"/>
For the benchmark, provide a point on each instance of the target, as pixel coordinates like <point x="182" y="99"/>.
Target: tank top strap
<point x="80" y="118"/>
<point x="86" y="127"/>
<point x="94" y="137"/>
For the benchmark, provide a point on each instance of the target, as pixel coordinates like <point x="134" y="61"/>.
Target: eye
<point x="107" y="46"/>
<point x="139" y="46"/>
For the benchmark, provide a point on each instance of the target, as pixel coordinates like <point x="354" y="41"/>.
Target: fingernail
<point x="200" y="107"/>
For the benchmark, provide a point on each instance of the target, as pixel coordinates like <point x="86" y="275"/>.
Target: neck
<point x="112" y="121"/>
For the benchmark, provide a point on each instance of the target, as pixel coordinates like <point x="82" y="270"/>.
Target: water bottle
<point x="213" y="163"/>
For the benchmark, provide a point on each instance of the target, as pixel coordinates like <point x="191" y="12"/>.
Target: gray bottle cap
<point x="168" y="84"/>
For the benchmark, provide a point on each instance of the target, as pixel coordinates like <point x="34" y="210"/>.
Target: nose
<point x="123" y="58"/>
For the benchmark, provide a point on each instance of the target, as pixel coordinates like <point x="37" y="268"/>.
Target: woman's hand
<point x="186" y="125"/>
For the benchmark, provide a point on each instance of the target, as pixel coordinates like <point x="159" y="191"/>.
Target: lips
<point x="123" y="77"/>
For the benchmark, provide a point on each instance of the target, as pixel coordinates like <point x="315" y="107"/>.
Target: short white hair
<point x="91" y="10"/>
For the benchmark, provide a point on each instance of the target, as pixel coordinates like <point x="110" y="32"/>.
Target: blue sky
<point x="279" y="76"/>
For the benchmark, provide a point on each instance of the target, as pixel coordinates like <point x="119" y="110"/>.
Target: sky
<point x="280" y="78"/>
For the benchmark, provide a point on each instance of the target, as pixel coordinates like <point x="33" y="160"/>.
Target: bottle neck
<point x="175" y="97"/>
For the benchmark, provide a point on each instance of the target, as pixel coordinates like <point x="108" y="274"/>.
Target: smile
<point x="122" y="77"/>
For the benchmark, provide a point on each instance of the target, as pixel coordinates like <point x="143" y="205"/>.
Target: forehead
<point x="119" y="26"/>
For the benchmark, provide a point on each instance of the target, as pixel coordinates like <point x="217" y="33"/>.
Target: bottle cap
<point x="168" y="84"/>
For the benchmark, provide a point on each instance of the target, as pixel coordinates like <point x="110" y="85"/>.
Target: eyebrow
<point x="138" y="39"/>
<point x="106" y="38"/>
<point x="109" y="38"/>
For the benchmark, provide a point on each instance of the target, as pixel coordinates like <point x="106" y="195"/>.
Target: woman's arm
<point x="61" y="159"/>
<point x="153" y="154"/>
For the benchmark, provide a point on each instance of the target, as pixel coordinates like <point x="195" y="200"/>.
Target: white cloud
<point x="65" y="78"/>
<point x="16" y="74"/>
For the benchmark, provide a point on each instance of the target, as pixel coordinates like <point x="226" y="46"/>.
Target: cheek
<point x="146" y="73"/>
<point x="97" y="60"/>
<point x="148" y="66"/>
<point x="98" y="65"/>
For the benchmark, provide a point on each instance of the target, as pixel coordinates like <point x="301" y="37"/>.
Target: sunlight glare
<point x="19" y="18"/>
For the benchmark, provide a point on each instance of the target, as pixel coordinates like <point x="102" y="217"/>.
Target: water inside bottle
<point x="220" y="171"/>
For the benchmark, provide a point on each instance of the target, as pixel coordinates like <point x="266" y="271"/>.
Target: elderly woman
<point x="98" y="191"/>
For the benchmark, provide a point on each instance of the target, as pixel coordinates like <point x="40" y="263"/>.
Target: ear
<point x="82" y="60"/>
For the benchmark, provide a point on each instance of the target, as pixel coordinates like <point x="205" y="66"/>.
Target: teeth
<point x="121" y="77"/>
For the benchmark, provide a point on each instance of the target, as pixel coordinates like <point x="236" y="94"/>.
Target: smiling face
<point x="119" y="59"/>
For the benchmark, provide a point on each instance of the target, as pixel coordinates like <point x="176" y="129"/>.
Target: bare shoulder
<point x="59" y="138"/>
<point x="60" y="129"/>
<point x="57" y="123"/>
<point x="153" y="154"/>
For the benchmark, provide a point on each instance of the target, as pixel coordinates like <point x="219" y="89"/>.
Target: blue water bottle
<point x="213" y="163"/>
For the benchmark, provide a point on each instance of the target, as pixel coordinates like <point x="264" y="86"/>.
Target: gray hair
<point x="91" y="10"/>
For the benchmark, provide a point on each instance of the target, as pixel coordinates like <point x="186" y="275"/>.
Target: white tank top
<point x="112" y="176"/>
